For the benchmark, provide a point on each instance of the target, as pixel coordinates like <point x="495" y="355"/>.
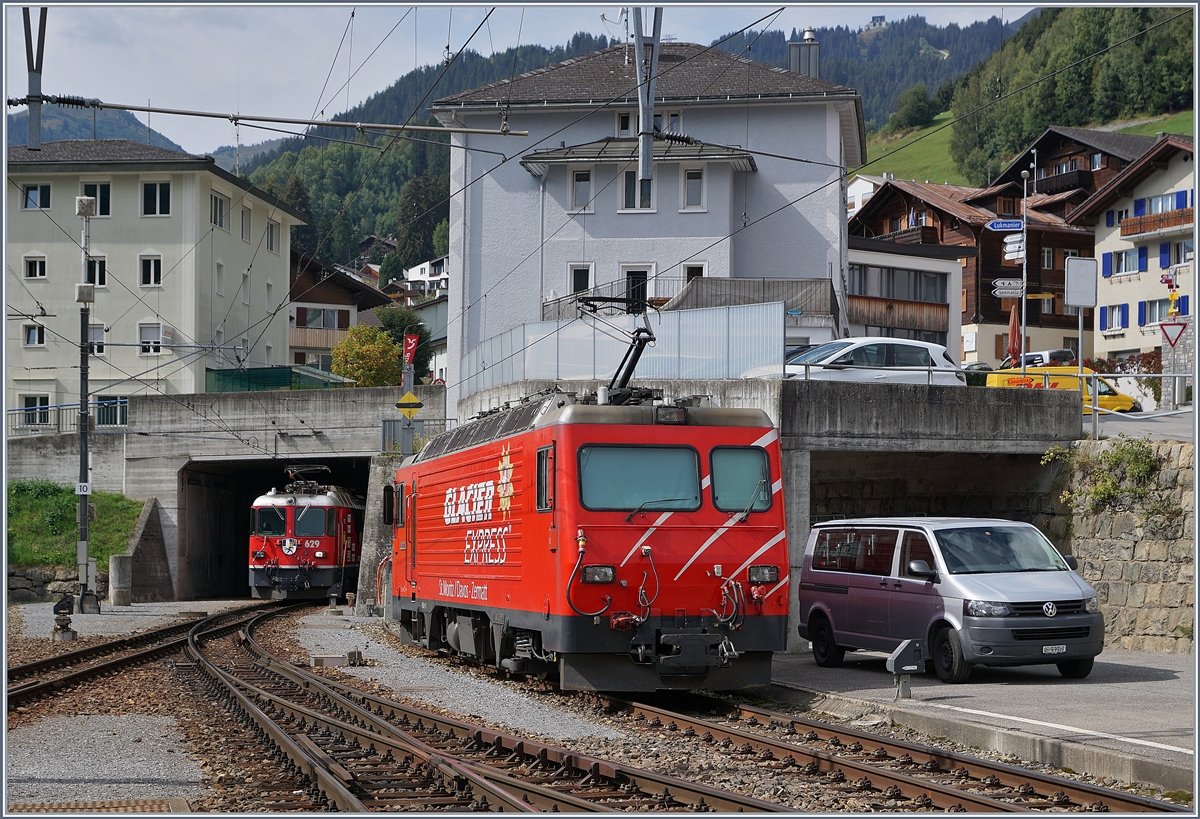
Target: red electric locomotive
<point x="305" y="541"/>
<point x="617" y="545"/>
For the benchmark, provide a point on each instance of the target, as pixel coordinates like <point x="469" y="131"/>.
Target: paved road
<point x="1139" y="705"/>
<point x="1178" y="426"/>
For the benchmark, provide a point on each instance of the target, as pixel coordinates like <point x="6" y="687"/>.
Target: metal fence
<point x="423" y="430"/>
<point x="719" y="342"/>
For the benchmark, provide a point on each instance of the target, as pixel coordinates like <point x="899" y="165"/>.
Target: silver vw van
<point x="978" y="591"/>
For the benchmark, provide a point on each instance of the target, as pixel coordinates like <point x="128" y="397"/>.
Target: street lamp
<point x="1024" y="261"/>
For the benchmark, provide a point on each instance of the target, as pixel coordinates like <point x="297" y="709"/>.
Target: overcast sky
<point x="274" y="60"/>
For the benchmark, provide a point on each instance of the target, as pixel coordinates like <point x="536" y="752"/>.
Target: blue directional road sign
<point x="1004" y="224"/>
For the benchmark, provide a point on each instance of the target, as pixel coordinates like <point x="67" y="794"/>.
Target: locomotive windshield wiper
<point x="629" y="517"/>
<point x="745" y="513"/>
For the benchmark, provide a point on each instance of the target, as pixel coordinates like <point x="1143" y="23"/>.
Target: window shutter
<point x="1141" y="314"/>
<point x="1103" y="318"/>
<point x="1124" y="315"/>
<point x="1164" y="254"/>
<point x="1109" y="219"/>
<point x="1181" y="199"/>
<point x="1183" y="305"/>
<point x="1000" y="346"/>
<point x="1139" y="207"/>
<point x="1106" y="266"/>
<point x="1143" y="255"/>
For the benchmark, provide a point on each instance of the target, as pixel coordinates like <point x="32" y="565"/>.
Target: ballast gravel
<point x="321" y="634"/>
<point x="90" y="758"/>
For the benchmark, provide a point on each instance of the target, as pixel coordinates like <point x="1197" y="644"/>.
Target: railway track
<point x="366" y="753"/>
<point x="911" y="775"/>
<point x="46" y="677"/>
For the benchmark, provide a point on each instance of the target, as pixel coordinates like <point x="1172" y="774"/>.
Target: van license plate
<point x="1054" y="649"/>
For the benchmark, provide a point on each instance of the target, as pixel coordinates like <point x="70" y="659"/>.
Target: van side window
<point x="916" y="547"/>
<point x="861" y="551"/>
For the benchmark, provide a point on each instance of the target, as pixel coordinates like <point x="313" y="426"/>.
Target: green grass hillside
<point x="42" y="528"/>
<point x="924" y="154"/>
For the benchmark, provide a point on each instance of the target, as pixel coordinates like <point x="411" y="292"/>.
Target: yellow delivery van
<point x="1108" y="397"/>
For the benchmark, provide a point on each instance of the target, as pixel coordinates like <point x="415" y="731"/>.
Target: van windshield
<point x="994" y="549"/>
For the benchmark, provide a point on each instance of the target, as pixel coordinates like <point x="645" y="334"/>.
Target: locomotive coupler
<point x="624" y="621"/>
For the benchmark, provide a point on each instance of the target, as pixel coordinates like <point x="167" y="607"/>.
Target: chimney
<point x="805" y="57"/>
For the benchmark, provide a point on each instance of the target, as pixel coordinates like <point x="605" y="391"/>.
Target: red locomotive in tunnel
<point x="625" y="546"/>
<point x="305" y="541"/>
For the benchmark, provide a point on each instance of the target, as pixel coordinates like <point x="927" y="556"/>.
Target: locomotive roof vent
<point x="273" y="491"/>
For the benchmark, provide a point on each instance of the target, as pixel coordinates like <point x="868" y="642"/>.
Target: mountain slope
<point x="75" y="123"/>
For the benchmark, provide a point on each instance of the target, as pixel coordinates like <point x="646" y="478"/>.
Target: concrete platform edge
<point x="1059" y="753"/>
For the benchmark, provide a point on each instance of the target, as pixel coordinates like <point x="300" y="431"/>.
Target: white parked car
<point x="873" y="358"/>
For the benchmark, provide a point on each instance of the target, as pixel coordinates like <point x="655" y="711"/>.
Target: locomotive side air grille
<point x="1047" y="634"/>
<point x="491" y="428"/>
<point x="1035" y="609"/>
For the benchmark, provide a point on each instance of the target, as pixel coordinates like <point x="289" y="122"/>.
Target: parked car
<point x="977" y="365"/>
<point x="1108" y="397"/>
<point x="1044" y="358"/>
<point x="977" y="591"/>
<point x="874" y="359"/>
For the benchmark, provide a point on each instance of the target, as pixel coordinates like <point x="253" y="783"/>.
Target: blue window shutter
<point x="1103" y="318"/>
<point x="1124" y="315"/>
<point x="1106" y="266"/>
<point x="1183" y="305"/>
<point x="1164" y="254"/>
<point x="1109" y="219"/>
<point x="1181" y="198"/>
<point x="1142" y="258"/>
<point x="1141" y="314"/>
<point x="1139" y="207"/>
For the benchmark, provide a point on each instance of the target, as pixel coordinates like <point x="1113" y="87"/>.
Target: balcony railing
<point x="920" y="235"/>
<point x="315" y="338"/>
<point x="1152" y="222"/>
<point x="902" y="315"/>
<point x="1068" y="181"/>
<point x="60" y="418"/>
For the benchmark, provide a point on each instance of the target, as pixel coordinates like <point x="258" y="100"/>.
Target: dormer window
<point x="1004" y="205"/>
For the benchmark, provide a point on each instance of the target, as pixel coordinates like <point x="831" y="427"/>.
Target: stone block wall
<point x="1142" y="566"/>
<point x="48" y="582"/>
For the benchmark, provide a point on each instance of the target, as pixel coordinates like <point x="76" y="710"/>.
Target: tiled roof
<point x="98" y="150"/>
<point x="1137" y="171"/>
<point x="687" y="71"/>
<point x="952" y="199"/>
<point x="626" y="150"/>
<point x="1125" y="146"/>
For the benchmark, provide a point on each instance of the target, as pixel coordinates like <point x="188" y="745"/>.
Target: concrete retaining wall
<point x="377" y="535"/>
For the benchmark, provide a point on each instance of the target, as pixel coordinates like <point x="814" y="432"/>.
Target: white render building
<point x="760" y="195"/>
<point x="190" y="267"/>
<point x="1145" y="231"/>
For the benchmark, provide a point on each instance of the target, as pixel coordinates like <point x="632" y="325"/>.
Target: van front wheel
<point x="948" y="658"/>
<point x="826" y="652"/>
<point x="1076" y="669"/>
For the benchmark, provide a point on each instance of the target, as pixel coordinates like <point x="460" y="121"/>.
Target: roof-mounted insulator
<point x="680" y="139"/>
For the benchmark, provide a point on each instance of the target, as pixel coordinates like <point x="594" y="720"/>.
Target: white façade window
<point x="580" y="276"/>
<point x="150" y="339"/>
<point x="218" y="209"/>
<point x="35" y="267"/>
<point x="694" y="270"/>
<point x="37" y="410"/>
<point x="624" y="124"/>
<point x="637" y="194"/>
<point x="36" y="197"/>
<point x="693" y="196"/>
<point x="112" y="410"/>
<point x="1047" y="258"/>
<point x="269" y="303"/>
<point x="102" y="193"/>
<point x="245" y="224"/>
<point x="272" y="236"/>
<point x="96" y="339"/>
<point x="219" y="278"/>
<point x="97" y="270"/>
<point x="156" y="199"/>
<point x="581" y="191"/>
<point x="1097" y="162"/>
<point x="245" y="287"/>
<point x="151" y="270"/>
<point x="33" y="335"/>
<point x="1125" y="261"/>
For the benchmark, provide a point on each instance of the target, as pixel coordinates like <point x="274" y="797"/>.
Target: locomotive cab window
<point x="741" y="479"/>
<point x="545" y="479"/>
<point x="639" y="478"/>
<point x="398" y="508"/>
<point x="272" y="522"/>
<point x="309" y="522"/>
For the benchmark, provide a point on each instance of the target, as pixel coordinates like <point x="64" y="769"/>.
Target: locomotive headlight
<point x="764" y="574"/>
<point x="318" y="554"/>
<point x="599" y="574"/>
<point x="1091" y="605"/>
